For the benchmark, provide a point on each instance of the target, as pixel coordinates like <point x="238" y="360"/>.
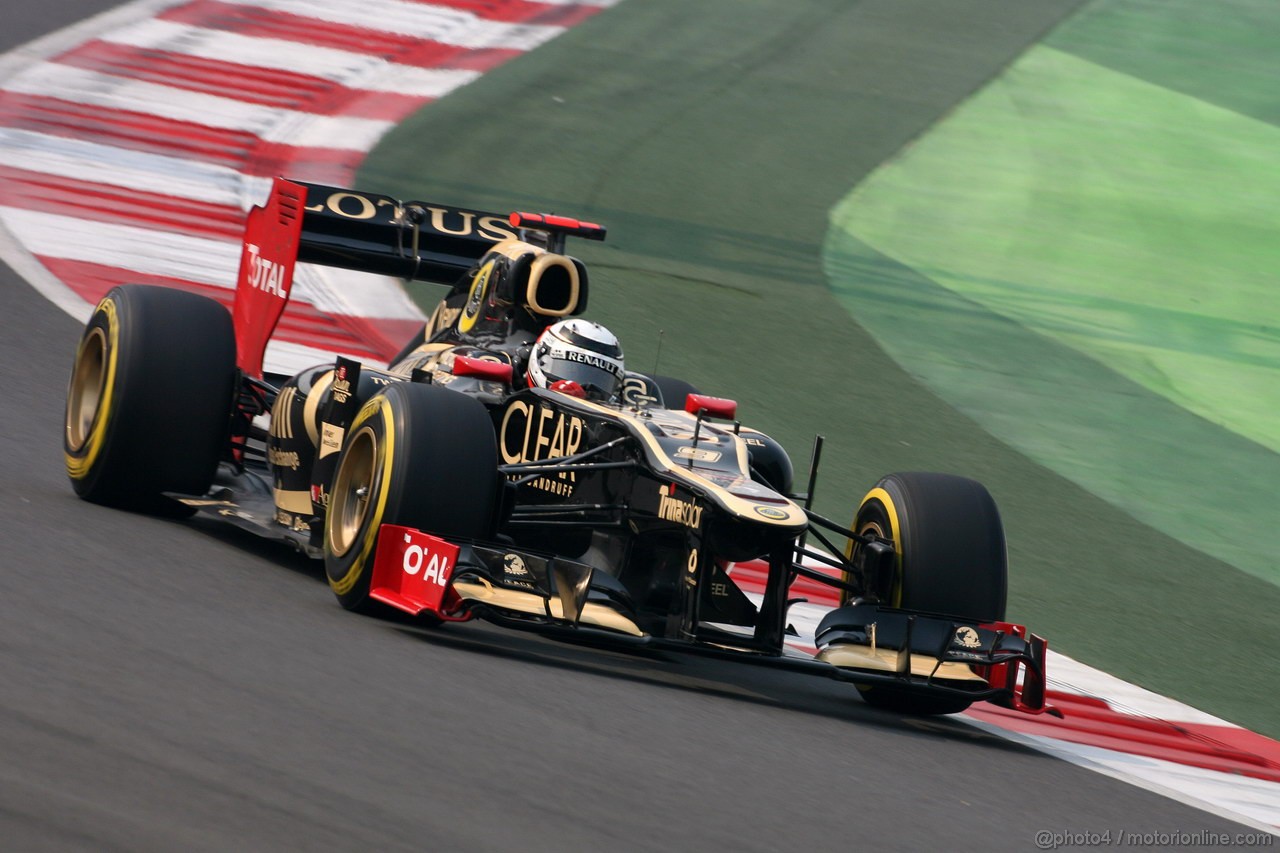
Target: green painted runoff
<point x="1130" y="224"/>
<point x="1224" y="53"/>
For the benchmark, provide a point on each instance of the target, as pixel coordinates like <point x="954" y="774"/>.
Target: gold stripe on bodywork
<point x="281" y="422"/>
<point x="850" y="656"/>
<point x="293" y="500"/>
<point x="310" y="411"/>
<point x="593" y="613"/>
<point x="536" y="269"/>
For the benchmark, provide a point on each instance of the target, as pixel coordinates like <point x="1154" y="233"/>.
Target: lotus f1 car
<point x="442" y="486"/>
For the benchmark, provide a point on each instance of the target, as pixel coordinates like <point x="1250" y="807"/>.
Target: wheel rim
<point x="349" y="504"/>
<point x="85" y="394"/>
<point x="875" y="521"/>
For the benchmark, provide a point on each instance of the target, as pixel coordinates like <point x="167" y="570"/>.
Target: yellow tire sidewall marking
<point x="81" y="463"/>
<point x="379" y="406"/>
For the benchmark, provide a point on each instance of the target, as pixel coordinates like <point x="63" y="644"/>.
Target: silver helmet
<point x="577" y="355"/>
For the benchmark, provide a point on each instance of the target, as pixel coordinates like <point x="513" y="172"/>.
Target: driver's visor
<point x="600" y="381"/>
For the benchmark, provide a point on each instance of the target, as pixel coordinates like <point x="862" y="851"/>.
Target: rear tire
<point x="951" y="560"/>
<point x="149" y="401"/>
<point x="417" y="456"/>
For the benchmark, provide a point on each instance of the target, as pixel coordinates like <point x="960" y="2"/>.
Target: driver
<point x="577" y="357"/>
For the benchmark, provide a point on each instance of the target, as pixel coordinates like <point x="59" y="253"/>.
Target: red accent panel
<point x="1025" y="681"/>
<point x="551" y="219"/>
<point x="411" y="570"/>
<point x="566" y="224"/>
<point x="717" y="407"/>
<point x="498" y="371"/>
<point x="573" y="389"/>
<point x="271" y="238"/>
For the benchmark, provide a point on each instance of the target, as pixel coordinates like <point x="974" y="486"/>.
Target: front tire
<point x="149" y="401"/>
<point x="418" y="456"/>
<point x="951" y="560"/>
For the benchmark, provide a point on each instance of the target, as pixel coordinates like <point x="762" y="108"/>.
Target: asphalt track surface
<point x="170" y="686"/>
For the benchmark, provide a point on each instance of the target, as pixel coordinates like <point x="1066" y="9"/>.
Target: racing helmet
<point x="578" y="357"/>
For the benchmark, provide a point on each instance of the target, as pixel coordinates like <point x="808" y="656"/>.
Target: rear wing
<point x="370" y="233"/>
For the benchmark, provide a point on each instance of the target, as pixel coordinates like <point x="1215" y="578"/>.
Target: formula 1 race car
<point x="451" y="486"/>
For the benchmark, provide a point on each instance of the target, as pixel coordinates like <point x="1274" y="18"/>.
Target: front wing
<point x="422" y="574"/>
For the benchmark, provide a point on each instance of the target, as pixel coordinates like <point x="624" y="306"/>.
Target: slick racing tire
<point x="417" y="456"/>
<point x="950" y="560"/>
<point x="150" y="397"/>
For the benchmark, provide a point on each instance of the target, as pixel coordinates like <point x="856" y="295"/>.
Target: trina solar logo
<point x="682" y="512"/>
<point x="531" y="434"/>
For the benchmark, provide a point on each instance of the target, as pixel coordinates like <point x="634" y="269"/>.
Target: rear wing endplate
<point x="367" y="232"/>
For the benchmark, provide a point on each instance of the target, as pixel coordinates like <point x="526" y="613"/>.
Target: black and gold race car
<point x="445" y="486"/>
